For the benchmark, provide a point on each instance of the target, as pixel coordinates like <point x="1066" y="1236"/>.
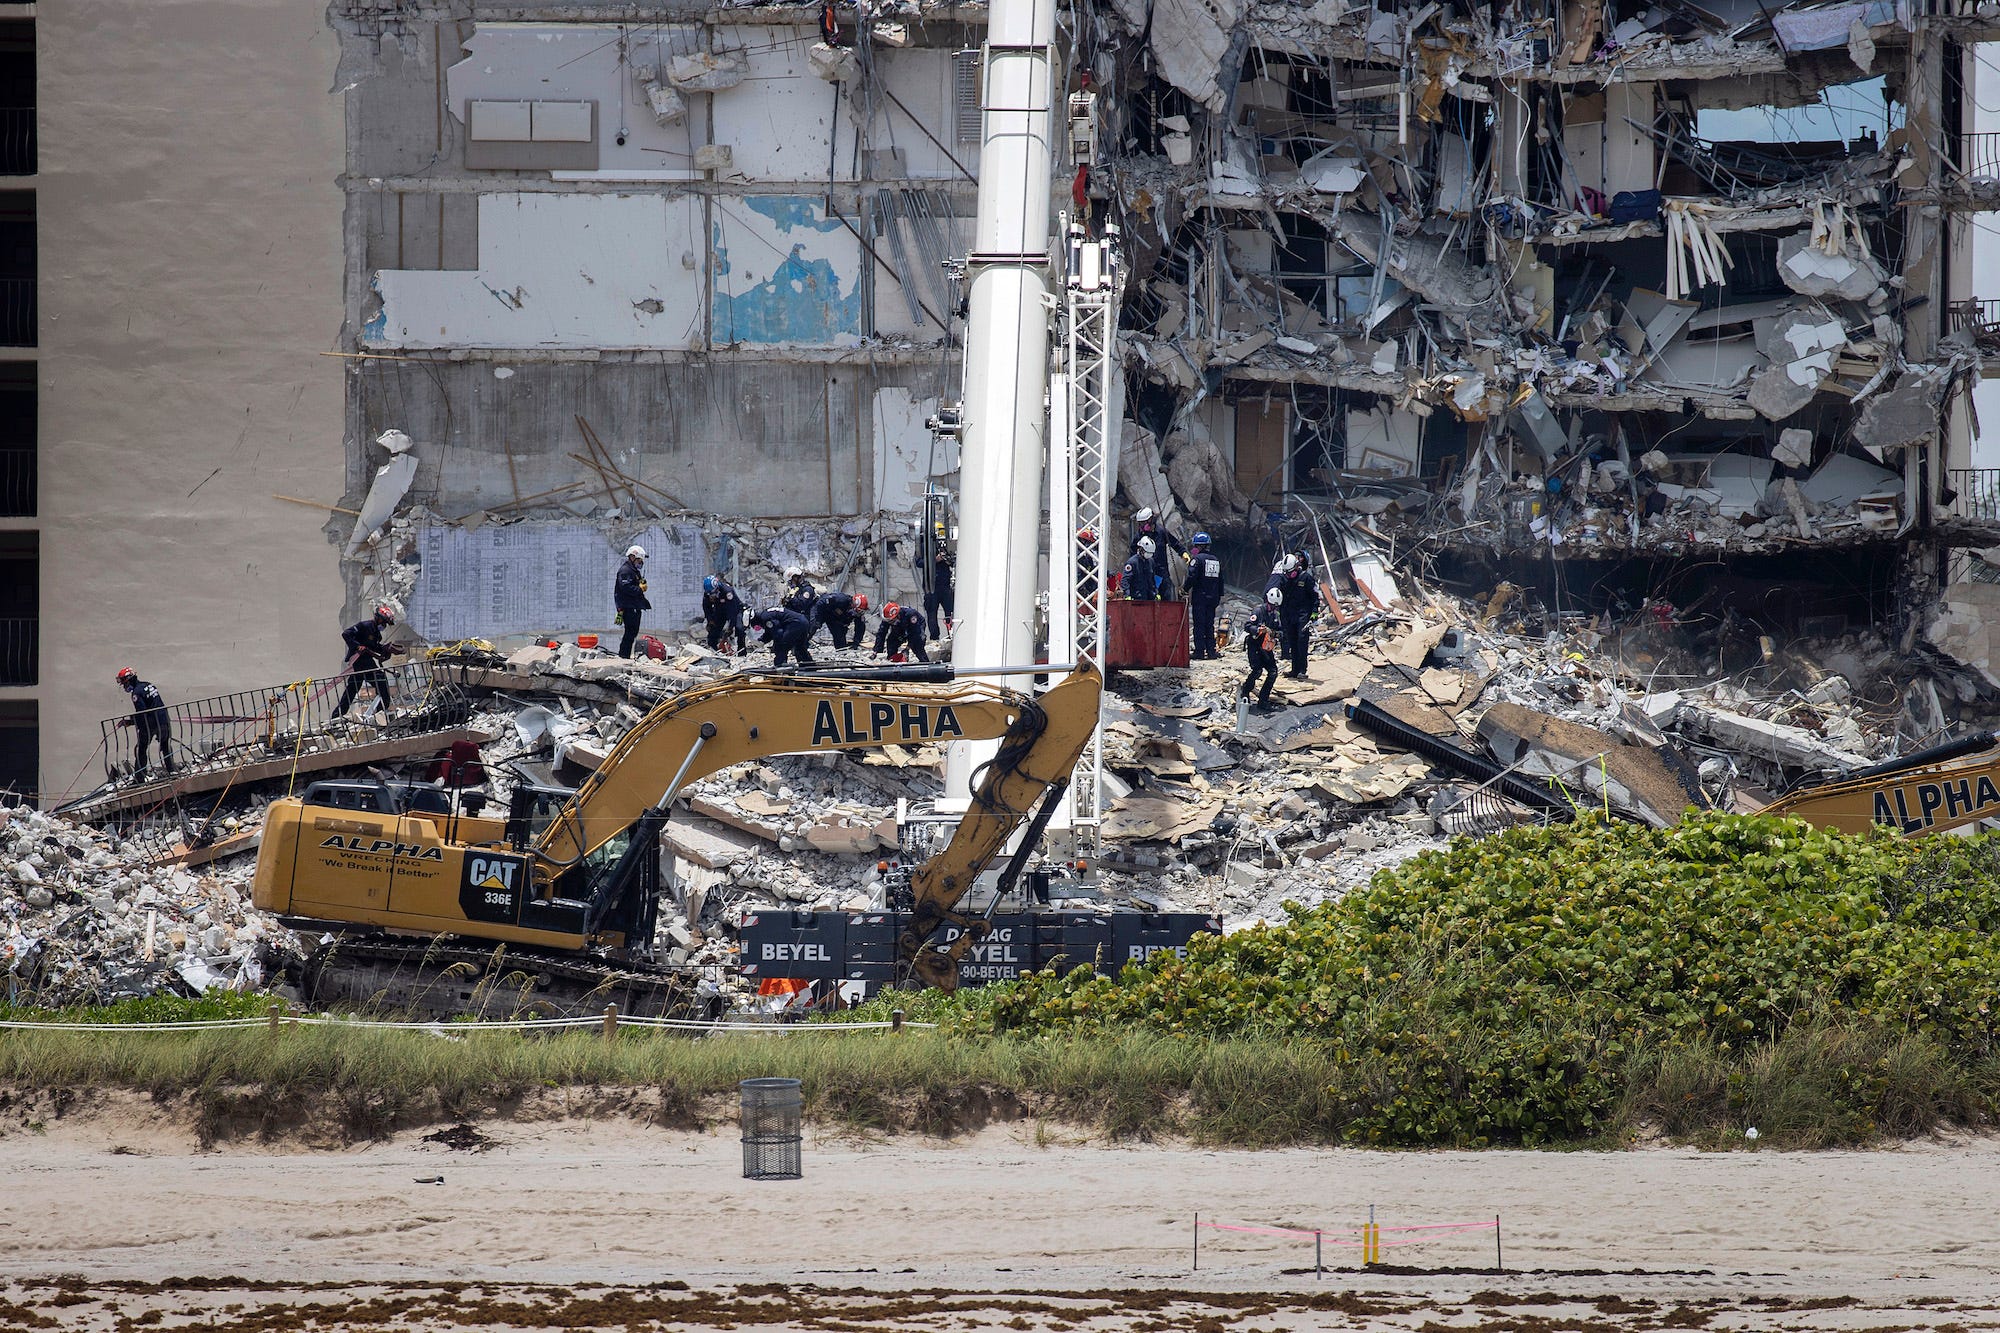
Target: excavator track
<point x="443" y="979"/>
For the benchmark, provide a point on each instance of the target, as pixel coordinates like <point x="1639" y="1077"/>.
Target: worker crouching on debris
<point x="628" y="591"/>
<point x="1260" y="643"/>
<point x="149" y="718"/>
<point x="1205" y="594"/>
<point x="1140" y="580"/>
<point x="902" y="629"/>
<point x="366" y="655"/>
<point x="799" y="593"/>
<point x="843" y="615"/>
<point x="722" y="612"/>
<point x="1299" y="595"/>
<point x="787" y="632"/>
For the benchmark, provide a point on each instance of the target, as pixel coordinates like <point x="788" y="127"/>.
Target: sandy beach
<point x="411" y="1233"/>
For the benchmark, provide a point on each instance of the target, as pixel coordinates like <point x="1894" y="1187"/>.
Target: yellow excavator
<point x="429" y="910"/>
<point x="1944" y="787"/>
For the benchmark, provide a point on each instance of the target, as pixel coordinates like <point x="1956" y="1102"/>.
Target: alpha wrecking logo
<point x="385" y="847"/>
<point x="850" y="723"/>
<point x="1955" y="797"/>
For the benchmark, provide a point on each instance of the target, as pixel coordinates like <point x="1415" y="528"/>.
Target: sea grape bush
<point x="1495" y="990"/>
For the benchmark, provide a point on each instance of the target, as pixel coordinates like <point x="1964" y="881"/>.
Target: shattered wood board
<point x="1156" y="818"/>
<point x="1364" y="784"/>
<point x="1207" y="758"/>
<point x="546" y="578"/>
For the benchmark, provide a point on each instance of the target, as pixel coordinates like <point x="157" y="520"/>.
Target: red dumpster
<point x="1146" y="634"/>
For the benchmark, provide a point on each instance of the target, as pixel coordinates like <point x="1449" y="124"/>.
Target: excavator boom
<point x="1946" y="787"/>
<point x="589" y="879"/>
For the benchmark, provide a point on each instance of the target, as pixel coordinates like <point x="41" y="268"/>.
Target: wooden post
<point x="611" y="1022"/>
<point x="1498" y="1262"/>
<point x="895" y="1020"/>
<point x="1197" y="1242"/>
<point x="1319" y="1260"/>
<point x="277" y="1016"/>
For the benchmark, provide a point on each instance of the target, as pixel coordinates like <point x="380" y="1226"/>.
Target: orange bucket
<point x="586" y="640"/>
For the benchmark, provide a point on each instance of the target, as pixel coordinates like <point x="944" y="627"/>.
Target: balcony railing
<point x="1980" y="314"/>
<point x="18" y="480"/>
<point x="17" y="312"/>
<point x="1978" y="494"/>
<point x="17" y="141"/>
<point x="20" y="641"/>
<point x="1979" y="155"/>
<point x="283" y="721"/>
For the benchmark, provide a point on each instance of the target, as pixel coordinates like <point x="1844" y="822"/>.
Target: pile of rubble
<point x="83" y="921"/>
<point x="1212" y="806"/>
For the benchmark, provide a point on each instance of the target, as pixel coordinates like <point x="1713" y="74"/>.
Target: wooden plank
<point x="233" y="845"/>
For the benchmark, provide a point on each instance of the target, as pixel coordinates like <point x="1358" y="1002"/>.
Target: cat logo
<point x="490" y="888"/>
<point x="871" y="724"/>
<point x="493" y="873"/>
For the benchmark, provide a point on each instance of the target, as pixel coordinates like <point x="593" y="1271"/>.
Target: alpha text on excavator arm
<point x="584" y="886"/>
<point x="1945" y="787"/>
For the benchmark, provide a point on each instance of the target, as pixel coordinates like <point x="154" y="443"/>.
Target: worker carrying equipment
<point x="1260" y="645"/>
<point x="366" y="654"/>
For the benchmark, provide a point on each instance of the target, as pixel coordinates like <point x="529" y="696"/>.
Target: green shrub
<point x="1498" y="990"/>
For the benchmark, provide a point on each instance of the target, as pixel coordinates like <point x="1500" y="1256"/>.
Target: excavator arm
<point x="704" y="730"/>
<point x="1945" y="787"/>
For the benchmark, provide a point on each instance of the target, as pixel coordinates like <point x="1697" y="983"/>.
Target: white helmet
<point x="1143" y="516"/>
<point x="793" y="571"/>
<point x="1288" y="564"/>
<point x="1273" y="597"/>
<point x="635" y="553"/>
<point x="1146" y="546"/>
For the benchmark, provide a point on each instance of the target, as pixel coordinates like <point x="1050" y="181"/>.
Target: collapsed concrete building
<point x="1618" y="301"/>
<point x="1614" y="301"/>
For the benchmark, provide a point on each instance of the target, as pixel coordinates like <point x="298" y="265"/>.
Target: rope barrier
<point x="1370" y="1234"/>
<point x="482" y="1025"/>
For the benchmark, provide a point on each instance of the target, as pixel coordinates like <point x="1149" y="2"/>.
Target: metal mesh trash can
<point x="772" y="1109"/>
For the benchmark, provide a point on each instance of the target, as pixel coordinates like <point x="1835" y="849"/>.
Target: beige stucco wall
<point x="190" y="278"/>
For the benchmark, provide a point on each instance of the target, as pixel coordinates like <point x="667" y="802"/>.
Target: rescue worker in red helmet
<point x="149" y="717"/>
<point x="902" y="629"/>
<point x="366" y="654"/>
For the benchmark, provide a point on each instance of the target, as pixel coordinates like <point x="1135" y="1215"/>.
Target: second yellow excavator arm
<point x="706" y="729"/>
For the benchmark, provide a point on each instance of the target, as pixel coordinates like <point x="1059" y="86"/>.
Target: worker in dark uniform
<point x="722" y="612"/>
<point x="366" y="654"/>
<point x="1205" y="592"/>
<point x="1299" y="595"/>
<point x="939" y="597"/>
<point x="629" y="592"/>
<point x="1149" y="529"/>
<point x="787" y="632"/>
<point x="843" y="615"/>
<point x="1140" y="579"/>
<point x="149" y="718"/>
<point x="902" y="628"/>
<point x="1086" y="571"/>
<point x="799" y="593"/>
<point x="1260" y="643"/>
